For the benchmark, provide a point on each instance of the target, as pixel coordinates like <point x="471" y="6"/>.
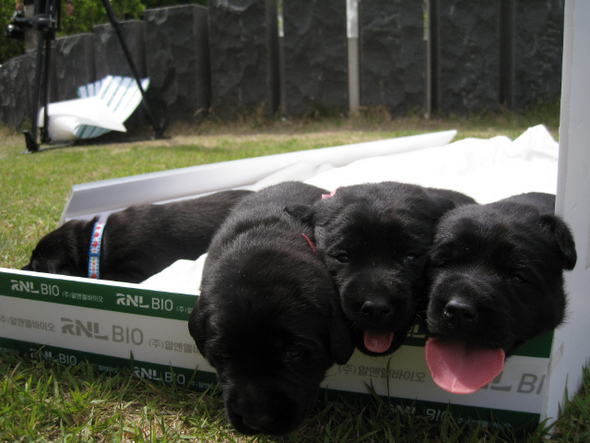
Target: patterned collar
<point x="94" y="255"/>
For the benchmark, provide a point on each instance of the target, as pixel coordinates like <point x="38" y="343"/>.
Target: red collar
<point x="331" y="194"/>
<point x="310" y="243"/>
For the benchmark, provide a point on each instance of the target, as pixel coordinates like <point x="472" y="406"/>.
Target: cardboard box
<point x="71" y="319"/>
<point x="113" y="325"/>
<point x="116" y="325"/>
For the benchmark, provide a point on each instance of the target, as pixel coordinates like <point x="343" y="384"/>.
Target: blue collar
<point x="94" y="255"/>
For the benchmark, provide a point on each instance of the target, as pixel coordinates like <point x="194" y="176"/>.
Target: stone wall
<point x="537" y="39"/>
<point x="243" y="46"/>
<point x="488" y="54"/>
<point x="392" y="55"/>
<point x="74" y="65"/>
<point x="225" y="58"/>
<point x="466" y="56"/>
<point x="16" y="92"/>
<point x="177" y="38"/>
<point x="315" y="56"/>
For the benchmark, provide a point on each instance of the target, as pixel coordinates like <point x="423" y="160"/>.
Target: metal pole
<point x="31" y="137"/>
<point x="44" y="135"/>
<point x="352" y="33"/>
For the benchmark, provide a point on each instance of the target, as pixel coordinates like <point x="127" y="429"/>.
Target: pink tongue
<point x="378" y="342"/>
<point x="462" y="369"/>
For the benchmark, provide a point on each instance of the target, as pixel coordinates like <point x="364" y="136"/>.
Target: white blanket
<point x="487" y="170"/>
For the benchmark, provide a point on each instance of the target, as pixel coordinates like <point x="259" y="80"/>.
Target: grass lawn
<point x="41" y="401"/>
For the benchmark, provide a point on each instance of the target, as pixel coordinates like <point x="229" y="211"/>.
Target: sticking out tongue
<point x="461" y="368"/>
<point x="378" y="342"/>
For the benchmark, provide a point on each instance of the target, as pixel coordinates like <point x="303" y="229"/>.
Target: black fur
<point x="496" y="272"/>
<point x="139" y="241"/>
<point x="268" y="317"/>
<point x="375" y="240"/>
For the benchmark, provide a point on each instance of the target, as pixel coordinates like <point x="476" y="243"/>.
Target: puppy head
<point x="496" y="278"/>
<point x="63" y="251"/>
<point x="375" y="240"/>
<point x="501" y="264"/>
<point x="268" y="321"/>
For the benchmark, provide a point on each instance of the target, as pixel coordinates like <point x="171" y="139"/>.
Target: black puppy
<point x="137" y="242"/>
<point x="496" y="282"/>
<point x="375" y="240"/>
<point x="268" y="317"/>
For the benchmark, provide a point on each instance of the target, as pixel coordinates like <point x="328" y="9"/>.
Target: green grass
<point x="42" y="401"/>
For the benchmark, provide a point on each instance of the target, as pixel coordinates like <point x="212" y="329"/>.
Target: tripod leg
<point x="31" y="137"/>
<point x="44" y="132"/>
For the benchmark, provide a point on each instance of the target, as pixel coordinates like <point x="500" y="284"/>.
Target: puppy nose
<point x="460" y="312"/>
<point x="258" y="422"/>
<point x="375" y="309"/>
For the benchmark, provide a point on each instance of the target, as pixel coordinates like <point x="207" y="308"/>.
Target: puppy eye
<point x="342" y="257"/>
<point x="223" y="356"/>
<point x="439" y="260"/>
<point x="516" y="279"/>
<point x="410" y="258"/>
<point x="292" y="354"/>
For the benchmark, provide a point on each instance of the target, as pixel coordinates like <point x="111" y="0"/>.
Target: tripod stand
<point x="47" y="21"/>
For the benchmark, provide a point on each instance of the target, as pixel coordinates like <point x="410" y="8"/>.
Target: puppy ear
<point x="303" y="213"/>
<point x="564" y="238"/>
<point x="193" y="322"/>
<point x="340" y="339"/>
<point x="443" y="200"/>
<point x="197" y="327"/>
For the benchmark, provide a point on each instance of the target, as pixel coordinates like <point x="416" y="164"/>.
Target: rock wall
<point x="537" y="39"/>
<point x="392" y="55"/>
<point x="243" y="56"/>
<point x="315" y="56"/>
<point x="466" y="55"/>
<point x="225" y="57"/>
<point x="177" y="64"/>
